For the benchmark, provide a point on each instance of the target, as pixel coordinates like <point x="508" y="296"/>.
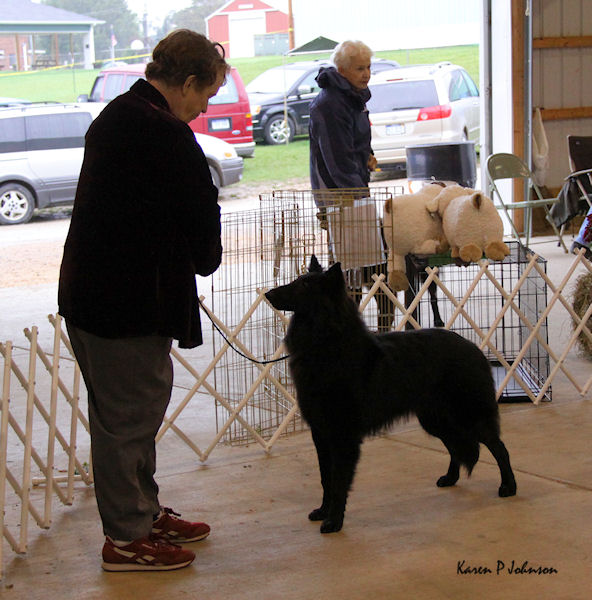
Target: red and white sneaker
<point x="169" y="527"/>
<point x="145" y="554"/>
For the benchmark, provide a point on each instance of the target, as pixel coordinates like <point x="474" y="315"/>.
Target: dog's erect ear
<point x="314" y="266"/>
<point x="335" y="274"/>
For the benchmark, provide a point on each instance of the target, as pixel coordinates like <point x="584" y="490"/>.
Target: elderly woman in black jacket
<point x="340" y="151"/>
<point x="145" y="222"/>
<point x="339" y="128"/>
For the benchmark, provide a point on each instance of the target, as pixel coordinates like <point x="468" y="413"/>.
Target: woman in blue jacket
<point x="340" y="151"/>
<point x="339" y="128"/>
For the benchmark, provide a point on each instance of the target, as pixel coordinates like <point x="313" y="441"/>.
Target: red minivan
<point x="228" y="116"/>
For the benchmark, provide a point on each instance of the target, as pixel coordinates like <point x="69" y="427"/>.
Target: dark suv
<point x="288" y="90"/>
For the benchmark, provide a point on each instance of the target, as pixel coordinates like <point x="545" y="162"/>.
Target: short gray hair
<point x="346" y="51"/>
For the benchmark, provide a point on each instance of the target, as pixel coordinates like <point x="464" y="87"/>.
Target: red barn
<point x="249" y="28"/>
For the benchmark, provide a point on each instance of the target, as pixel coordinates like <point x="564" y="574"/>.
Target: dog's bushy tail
<point x="464" y="450"/>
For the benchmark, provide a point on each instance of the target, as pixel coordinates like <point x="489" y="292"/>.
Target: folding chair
<point x="509" y="166"/>
<point x="580" y="160"/>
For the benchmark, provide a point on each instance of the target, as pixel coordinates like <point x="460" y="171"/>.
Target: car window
<point x="400" y="95"/>
<point x="45" y="132"/>
<point x="310" y="82"/>
<point x="275" y="81"/>
<point x="379" y="65"/>
<point x="12" y="135"/>
<point x="113" y="86"/>
<point x="95" y="94"/>
<point x="473" y="89"/>
<point x="129" y="81"/>
<point x="458" y="87"/>
<point x="227" y="94"/>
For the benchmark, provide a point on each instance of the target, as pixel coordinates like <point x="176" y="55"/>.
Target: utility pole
<point x="290" y="26"/>
<point x="145" y="26"/>
<point x="113" y="42"/>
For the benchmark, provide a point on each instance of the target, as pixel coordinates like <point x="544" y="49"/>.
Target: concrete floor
<point x="403" y="537"/>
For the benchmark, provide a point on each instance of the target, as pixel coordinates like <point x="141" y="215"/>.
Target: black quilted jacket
<point x="145" y="222"/>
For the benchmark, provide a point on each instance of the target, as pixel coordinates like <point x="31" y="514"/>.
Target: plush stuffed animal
<point x="471" y="224"/>
<point x="409" y="227"/>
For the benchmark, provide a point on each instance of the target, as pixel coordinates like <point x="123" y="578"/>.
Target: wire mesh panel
<point x="483" y="307"/>
<point x="271" y="246"/>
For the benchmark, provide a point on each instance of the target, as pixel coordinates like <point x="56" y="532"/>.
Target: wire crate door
<point x="355" y="233"/>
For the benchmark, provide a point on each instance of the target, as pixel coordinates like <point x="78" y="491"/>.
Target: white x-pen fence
<point x="225" y="397"/>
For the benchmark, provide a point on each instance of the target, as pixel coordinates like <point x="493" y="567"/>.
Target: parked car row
<point x="422" y="104"/>
<point x="41" y="153"/>
<point x="287" y="91"/>
<point x="42" y="144"/>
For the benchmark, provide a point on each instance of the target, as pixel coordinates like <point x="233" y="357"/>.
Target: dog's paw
<point x="331" y="525"/>
<point x="446" y="481"/>
<point x="506" y="490"/>
<point x="318" y="514"/>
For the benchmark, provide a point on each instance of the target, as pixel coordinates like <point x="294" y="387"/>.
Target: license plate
<point x="395" y="129"/>
<point x="219" y="124"/>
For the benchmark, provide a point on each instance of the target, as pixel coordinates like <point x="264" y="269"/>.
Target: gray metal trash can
<point x="455" y="161"/>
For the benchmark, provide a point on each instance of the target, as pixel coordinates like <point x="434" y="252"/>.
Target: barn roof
<point x="319" y="44"/>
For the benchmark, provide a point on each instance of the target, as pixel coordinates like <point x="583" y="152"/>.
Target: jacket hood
<point x="329" y="77"/>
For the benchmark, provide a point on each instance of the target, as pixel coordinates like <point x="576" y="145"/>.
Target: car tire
<point x="16" y="204"/>
<point x="276" y="131"/>
<point x="215" y="177"/>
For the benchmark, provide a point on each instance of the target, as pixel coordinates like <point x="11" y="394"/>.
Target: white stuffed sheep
<point x="409" y="227"/>
<point x="471" y="224"/>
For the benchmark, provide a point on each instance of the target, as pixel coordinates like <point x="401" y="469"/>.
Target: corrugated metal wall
<point x="562" y="76"/>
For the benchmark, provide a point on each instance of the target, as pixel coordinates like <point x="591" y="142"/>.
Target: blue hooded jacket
<point x="339" y="130"/>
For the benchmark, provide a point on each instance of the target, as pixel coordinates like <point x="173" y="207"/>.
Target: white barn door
<point x="242" y="28"/>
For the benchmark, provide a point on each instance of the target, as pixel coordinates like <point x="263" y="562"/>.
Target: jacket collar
<point x="149" y="93"/>
<point x="330" y="77"/>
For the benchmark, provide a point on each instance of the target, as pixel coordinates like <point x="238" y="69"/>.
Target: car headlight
<point x="255" y="110"/>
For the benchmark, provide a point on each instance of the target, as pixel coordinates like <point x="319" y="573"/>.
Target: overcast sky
<point x="157" y="9"/>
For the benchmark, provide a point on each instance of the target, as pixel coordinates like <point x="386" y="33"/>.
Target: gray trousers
<point x="129" y="383"/>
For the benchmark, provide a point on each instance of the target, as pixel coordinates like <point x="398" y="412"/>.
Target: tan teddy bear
<point x="471" y="224"/>
<point x="409" y="227"/>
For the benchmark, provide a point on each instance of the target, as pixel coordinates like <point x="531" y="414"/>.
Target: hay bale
<point x="581" y="301"/>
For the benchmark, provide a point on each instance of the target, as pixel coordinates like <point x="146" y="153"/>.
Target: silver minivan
<point x="424" y="104"/>
<point x="41" y="152"/>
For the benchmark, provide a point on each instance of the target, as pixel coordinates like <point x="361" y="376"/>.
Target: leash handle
<point x="253" y="360"/>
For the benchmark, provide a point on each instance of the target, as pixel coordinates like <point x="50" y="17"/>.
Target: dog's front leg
<point x="323" y="448"/>
<point x="344" y="458"/>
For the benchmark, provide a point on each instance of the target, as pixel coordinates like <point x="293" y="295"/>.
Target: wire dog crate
<point x="483" y="306"/>
<point x="272" y="245"/>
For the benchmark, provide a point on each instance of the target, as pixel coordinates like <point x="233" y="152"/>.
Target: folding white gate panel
<point x="44" y="441"/>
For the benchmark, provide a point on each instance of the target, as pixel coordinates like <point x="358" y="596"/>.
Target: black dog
<point x="352" y="383"/>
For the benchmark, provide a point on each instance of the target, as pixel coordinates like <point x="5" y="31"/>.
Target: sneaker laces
<point x="167" y="511"/>
<point x="161" y="542"/>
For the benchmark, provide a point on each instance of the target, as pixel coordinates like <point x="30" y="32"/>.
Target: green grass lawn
<point x="57" y="85"/>
<point x="288" y="161"/>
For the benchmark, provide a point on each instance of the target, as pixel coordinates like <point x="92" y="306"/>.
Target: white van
<point x="41" y="152"/>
